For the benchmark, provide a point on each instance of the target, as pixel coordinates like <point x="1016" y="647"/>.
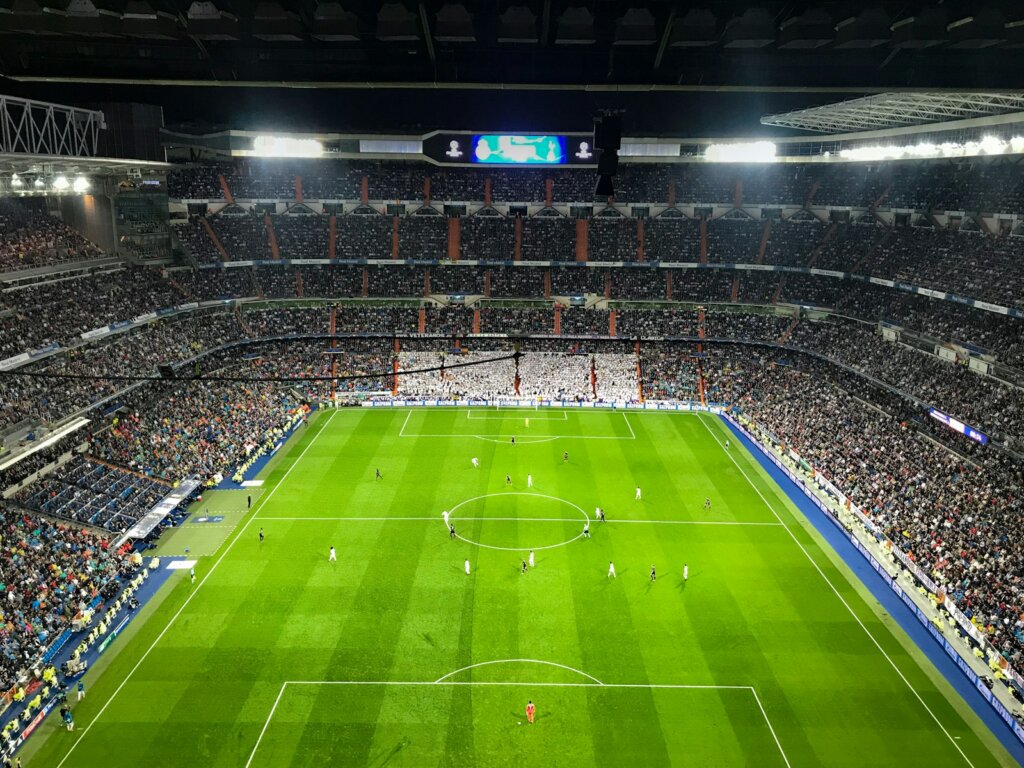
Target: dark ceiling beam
<point x="485" y="86"/>
<point x="665" y="35"/>
<point x="426" y="34"/>
<point x="545" y="24"/>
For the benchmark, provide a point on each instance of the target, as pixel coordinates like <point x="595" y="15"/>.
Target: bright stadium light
<point x="61" y="183"/>
<point x="749" y="152"/>
<point x="16" y="181"/>
<point x="80" y="185"/>
<point x="38" y="183"/>
<point x="282" y="146"/>
<point x="988" y="145"/>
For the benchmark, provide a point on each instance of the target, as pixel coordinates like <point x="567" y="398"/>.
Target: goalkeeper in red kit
<point x="530" y="711"/>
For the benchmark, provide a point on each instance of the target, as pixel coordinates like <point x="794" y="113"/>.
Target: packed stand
<point x="50" y="572"/>
<point x="29" y="237"/>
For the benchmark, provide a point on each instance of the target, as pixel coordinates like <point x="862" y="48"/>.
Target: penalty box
<point x="525" y="424"/>
<point x="371" y="723"/>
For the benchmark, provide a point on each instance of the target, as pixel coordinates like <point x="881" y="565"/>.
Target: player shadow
<point x="618" y="574"/>
<point x="522" y="718"/>
<point x="428" y="639"/>
<point x="681" y="585"/>
<point x="383" y="759"/>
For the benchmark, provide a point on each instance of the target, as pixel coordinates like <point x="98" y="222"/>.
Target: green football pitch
<point x="770" y="654"/>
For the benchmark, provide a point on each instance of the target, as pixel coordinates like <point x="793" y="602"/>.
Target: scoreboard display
<point x="510" y="149"/>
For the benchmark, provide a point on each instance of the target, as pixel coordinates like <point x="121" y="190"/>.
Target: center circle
<point x="584" y="519"/>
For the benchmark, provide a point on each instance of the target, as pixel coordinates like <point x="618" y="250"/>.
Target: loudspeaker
<point x="608" y="163"/>
<point x="607" y="132"/>
<point x="605" y="187"/>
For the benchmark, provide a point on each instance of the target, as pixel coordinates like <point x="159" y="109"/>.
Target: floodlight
<point x="38" y="183"/>
<point x="743" y="152"/>
<point x="61" y="183"/>
<point x="283" y="146"/>
<point x="15" y="180"/>
<point x="80" y="185"/>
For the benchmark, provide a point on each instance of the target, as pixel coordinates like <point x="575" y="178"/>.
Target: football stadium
<point x="538" y="382"/>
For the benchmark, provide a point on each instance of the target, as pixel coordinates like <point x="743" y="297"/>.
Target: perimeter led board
<point x="501" y="149"/>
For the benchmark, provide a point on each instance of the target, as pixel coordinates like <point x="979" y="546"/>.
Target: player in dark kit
<point x="654" y="575"/>
<point x="508" y="479"/>
<point x="261" y="535"/>
<point x="451" y="531"/>
<point x="379" y="475"/>
<point x="524" y="567"/>
<point x="565" y="457"/>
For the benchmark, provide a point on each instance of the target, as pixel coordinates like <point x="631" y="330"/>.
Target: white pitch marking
<point x="839" y="595"/>
<point x="259" y="504"/>
<point x="518" y="493"/>
<point x="266" y="725"/>
<point x="443" y="681"/>
<point x="432" y="518"/>
<point x="770" y="728"/>
<point x="632" y="434"/>
<point x="518" y="661"/>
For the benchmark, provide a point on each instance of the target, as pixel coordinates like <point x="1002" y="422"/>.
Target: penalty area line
<point x="592" y="682"/>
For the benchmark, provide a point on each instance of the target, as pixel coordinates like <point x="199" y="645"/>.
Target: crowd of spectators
<point x="968" y="263"/>
<point x="29" y="237"/>
<point x="49" y="574"/>
<point x="959" y="521"/>
<point x="983" y="402"/>
<point x="937" y="185"/>
<point x="546" y="375"/>
<point x="205" y="429"/>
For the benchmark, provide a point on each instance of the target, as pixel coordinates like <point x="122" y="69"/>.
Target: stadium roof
<point x="893" y="110"/>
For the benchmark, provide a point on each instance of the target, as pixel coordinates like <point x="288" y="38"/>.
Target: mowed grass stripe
<point x="908" y="682"/>
<point x="398" y="607"/>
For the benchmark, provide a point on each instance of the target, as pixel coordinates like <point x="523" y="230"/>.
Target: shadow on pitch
<point x="395" y="751"/>
<point x="522" y="718"/>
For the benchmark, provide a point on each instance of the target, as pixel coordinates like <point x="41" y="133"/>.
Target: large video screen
<point x="503" y="149"/>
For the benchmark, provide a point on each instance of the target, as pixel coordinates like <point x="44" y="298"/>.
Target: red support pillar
<point x="366" y="282"/>
<point x="487" y="191"/>
<point x="672" y="192"/>
<point x="332" y="236"/>
<point x="517" y="248"/>
<point x="426" y="190"/>
<point x="364" y="190"/>
<point x="394" y="237"/>
<point x="476" y="321"/>
<point x="582" y="239"/>
<point x="487" y="283"/>
<point x="298" y="189"/>
<point x="668" y="285"/>
<point x="640" y="241"/>
<point x="454" y="238"/>
<point x="549" y="192"/>
<point x="611" y="323"/>
<point x="547" y="283"/>
<point x="422" y="323"/>
<point x="426" y="281"/>
<point x="558" y="319"/>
